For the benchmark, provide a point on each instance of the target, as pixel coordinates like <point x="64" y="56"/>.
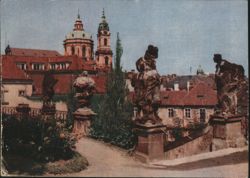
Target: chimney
<point x="176" y="87"/>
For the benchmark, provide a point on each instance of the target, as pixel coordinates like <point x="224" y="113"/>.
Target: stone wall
<point x="202" y="143"/>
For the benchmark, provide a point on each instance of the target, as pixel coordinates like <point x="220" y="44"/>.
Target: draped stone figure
<point x="147" y="87"/>
<point x="48" y="108"/>
<point x="229" y="78"/>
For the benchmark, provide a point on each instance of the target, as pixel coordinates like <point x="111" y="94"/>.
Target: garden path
<point x="106" y="160"/>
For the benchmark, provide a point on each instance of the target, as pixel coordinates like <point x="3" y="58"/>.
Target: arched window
<point x="72" y="50"/>
<point x="83" y="51"/>
<point x="106" y="60"/>
<point x="105" y="42"/>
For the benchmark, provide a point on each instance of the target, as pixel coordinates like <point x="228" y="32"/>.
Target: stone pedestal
<point x="23" y="110"/>
<point x="227" y="132"/>
<point x="150" y="145"/>
<point x="82" y="122"/>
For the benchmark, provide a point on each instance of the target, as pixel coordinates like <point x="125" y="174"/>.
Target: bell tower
<point x="103" y="53"/>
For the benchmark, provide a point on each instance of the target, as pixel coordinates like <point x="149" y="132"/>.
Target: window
<point x="83" y="51"/>
<point x="37" y="66"/>
<point x="33" y="88"/>
<point x="188" y="112"/>
<point x="105" y="42"/>
<point x="53" y="66"/>
<point x="63" y="66"/>
<point x="21" y="66"/>
<point x="72" y="50"/>
<point x="106" y="60"/>
<point x="170" y="112"/>
<point x="21" y="93"/>
<point x="202" y="115"/>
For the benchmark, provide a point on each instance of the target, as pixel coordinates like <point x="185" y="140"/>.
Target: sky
<point x="186" y="32"/>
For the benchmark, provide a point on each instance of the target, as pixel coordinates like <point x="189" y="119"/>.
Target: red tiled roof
<point x="11" y="72"/>
<point x="173" y="97"/>
<point x="34" y="52"/>
<point x="64" y="83"/>
<point x="37" y="83"/>
<point x="75" y="62"/>
<point x="100" y="83"/>
<point x="200" y="95"/>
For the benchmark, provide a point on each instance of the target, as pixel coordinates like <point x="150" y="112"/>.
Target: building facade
<point x="32" y="64"/>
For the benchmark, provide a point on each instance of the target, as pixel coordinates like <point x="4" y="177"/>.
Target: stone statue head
<point x="151" y="52"/>
<point x="217" y="58"/>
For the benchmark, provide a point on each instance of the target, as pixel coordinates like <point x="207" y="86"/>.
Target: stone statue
<point x="229" y="78"/>
<point x="48" y="88"/>
<point x="147" y="87"/>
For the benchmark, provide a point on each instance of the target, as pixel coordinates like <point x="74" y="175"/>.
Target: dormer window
<point x="38" y="66"/>
<point x="53" y="66"/>
<point x="63" y="66"/>
<point x="22" y="66"/>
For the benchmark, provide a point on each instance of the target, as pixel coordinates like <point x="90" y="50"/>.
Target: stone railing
<point x="62" y="115"/>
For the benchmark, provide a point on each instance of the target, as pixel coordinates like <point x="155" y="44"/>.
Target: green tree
<point x="114" y="120"/>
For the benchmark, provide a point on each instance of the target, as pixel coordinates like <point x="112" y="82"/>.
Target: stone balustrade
<point x="59" y="115"/>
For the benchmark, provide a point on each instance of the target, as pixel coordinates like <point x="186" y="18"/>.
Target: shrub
<point x="39" y="139"/>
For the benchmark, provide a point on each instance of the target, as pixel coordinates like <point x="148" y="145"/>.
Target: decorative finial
<point x="78" y="15"/>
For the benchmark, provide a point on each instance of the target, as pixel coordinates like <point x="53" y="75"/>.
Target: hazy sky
<point x="187" y="32"/>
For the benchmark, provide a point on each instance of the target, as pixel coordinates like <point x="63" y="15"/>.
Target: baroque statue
<point x="147" y="87"/>
<point x="48" y="92"/>
<point x="230" y="82"/>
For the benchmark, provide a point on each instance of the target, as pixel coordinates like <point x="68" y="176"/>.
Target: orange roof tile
<point x="200" y="95"/>
<point x="11" y="72"/>
<point x="34" y="52"/>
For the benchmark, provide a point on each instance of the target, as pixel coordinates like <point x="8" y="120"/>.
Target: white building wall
<point x="11" y="95"/>
<point x="195" y="114"/>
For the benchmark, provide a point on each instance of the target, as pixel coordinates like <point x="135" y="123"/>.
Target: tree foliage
<point x="114" y="120"/>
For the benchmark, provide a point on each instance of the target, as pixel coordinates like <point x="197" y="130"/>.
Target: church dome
<point x="78" y="34"/>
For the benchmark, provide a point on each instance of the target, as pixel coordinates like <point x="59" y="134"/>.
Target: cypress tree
<point x="114" y="120"/>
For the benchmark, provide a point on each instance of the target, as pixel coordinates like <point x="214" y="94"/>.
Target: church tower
<point x="78" y="42"/>
<point x="103" y="53"/>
